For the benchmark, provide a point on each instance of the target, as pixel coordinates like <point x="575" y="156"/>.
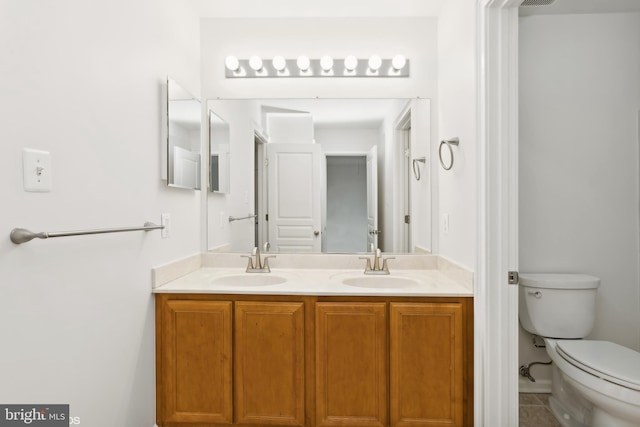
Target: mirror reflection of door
<point x="294" y="206"/>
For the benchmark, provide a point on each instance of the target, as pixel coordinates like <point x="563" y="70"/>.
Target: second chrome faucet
<point x="256" y="263"/>
<point x="377" y="260"/>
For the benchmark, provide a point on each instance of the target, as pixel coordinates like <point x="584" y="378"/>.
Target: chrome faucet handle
<point x="368" y="266"/>
<point x="249" y="263"/>
<point x="385" y="265"/>
<point x="266" y="246"/>
<point x="265" y="264"/>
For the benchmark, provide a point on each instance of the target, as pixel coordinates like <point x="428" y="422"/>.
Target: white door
<point x="372" y="198"/>
<point x="294" y="181"/>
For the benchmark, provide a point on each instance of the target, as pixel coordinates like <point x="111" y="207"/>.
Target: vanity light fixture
<point x="232" y="63"/>
<point x="375" y="62"/>
<point x="255" y="62"/>
<point x="350" y="63"/>
<point x="303" y="63"/>
<point x="399" y="62"/>
<point x="326" y="63"/>
<point x="326" y="66"/>
<point x="279" y="63"/>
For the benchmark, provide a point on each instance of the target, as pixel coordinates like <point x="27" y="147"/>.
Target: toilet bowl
<point x="605" y="375"/>
<point x="595" y="383"/>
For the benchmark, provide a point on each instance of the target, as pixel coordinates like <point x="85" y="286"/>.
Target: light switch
<point x="445" y="223"/>
<point x="165" y="219"/>
<point x="36" y="170"/>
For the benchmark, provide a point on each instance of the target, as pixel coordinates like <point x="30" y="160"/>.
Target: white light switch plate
<point x="445" y="223"/>
<point x="165" y="219"/>
<point x="36" y="166"/>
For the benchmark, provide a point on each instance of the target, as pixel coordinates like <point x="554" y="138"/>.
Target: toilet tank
<point x="557" y="305"/>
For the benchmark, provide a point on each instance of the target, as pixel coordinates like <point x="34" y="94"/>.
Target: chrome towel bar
<point x="21" y="235"/>
<point x="249" y="216"/>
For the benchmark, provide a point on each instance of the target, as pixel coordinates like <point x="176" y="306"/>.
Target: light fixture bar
<point x="315" y="69"/>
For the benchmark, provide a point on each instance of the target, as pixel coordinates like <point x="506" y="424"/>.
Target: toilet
<point x="594" y="383"/>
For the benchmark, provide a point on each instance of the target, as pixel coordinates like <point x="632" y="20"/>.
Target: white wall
<point x="579" y="109"/>
<point x="346" y="139"/>
<point x="83" y="81"/>
<point x="457" y="118"/>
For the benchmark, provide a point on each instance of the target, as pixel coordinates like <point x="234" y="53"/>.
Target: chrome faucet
<point x="256" y="264"/>
<point x="377" y="268"/>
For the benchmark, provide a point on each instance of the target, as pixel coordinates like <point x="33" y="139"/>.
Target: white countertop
<point x="319" y="282"/>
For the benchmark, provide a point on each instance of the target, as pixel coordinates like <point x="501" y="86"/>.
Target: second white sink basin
<point x="381" y="282"/>
<point x="249" y="279"/>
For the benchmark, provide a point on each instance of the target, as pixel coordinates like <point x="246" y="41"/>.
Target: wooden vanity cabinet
<point x="269" y="363"/>
<point x="426" y="364"/>
<point x="351" y="364"/>
<point x="234" y="361"/>
<point x="193" y="358"/>
<point x="314" y="361"/>
<point x="393" y="363"/>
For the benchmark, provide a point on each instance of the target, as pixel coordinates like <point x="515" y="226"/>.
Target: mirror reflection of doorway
<point x="346" y="217"/>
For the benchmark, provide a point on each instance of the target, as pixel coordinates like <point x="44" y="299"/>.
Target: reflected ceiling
<point x="583" y="6"/>
<point x="316" y="9"/>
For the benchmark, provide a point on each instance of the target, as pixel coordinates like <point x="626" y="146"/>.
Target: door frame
<point x="403" y="150"/>
<point x="496" y="302"/>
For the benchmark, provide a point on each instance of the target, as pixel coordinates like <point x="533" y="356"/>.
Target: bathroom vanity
<point x="305" y="349"/>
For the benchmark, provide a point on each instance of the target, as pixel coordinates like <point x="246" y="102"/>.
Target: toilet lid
<point x="606" y="360"/>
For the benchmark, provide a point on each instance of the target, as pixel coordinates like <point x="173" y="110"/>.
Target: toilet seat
<point x="604" y="359"/>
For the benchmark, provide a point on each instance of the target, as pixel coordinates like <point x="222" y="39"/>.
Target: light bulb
<point x="350" y="63"/>
<point x="326" y="62"/>
<point x="303" y="62"/>
<point x="398" y="62"/>
<point x="232" y="63"/>
<point x="375" y="62"/>
<point x="279" y="63"/>
<point x="255" y="62"/>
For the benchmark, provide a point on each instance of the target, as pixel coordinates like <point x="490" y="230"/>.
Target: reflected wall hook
<point x="416" y="167"/>
<point x="448" y="143"/>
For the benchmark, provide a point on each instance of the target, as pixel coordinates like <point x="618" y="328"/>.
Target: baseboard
<point x="540" y="386"/>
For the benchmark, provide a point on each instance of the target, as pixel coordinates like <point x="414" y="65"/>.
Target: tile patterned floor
<point x="535" y="411"/>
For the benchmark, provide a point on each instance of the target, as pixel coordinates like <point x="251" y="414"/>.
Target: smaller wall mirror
<point x="219" y="154"/>
<point x="184" y="119"/>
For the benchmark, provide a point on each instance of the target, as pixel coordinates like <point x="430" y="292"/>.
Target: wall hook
<point x="448" y="143"/>
<point x="416" y="167"/>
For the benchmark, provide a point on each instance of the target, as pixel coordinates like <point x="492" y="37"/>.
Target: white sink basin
<point x="381" y="282"/>
<point x="249" y="279"/>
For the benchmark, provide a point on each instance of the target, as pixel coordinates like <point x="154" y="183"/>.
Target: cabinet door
<point x="270" y="362"/>
<point x="351" y="364"/>
<point x="426" y="364"/>
<point x="196" y="362"/>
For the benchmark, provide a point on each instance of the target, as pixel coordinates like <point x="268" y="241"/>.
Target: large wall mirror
<point x="184" y="117"/>
<point x="324" y="175"/>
